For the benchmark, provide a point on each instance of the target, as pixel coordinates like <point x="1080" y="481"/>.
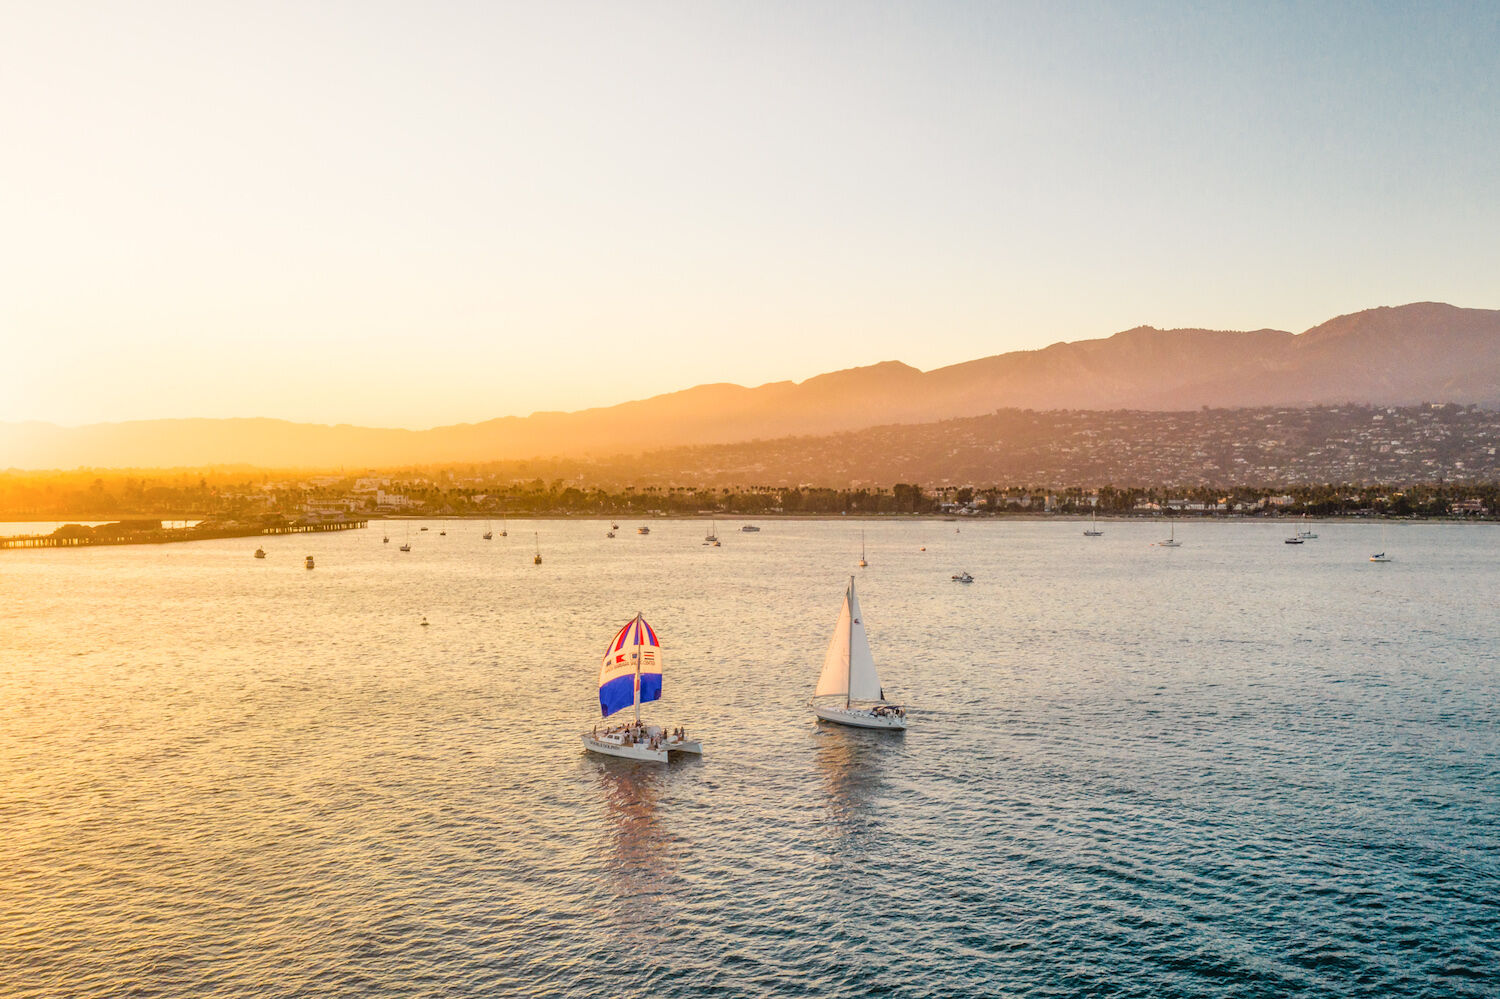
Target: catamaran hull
<point x="858" y="718"/>
<point x="640" y="751"/>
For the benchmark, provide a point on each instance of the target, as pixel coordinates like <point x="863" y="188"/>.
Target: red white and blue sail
<point x="631" y="671"/>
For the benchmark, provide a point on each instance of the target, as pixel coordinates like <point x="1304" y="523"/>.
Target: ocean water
<point x="1235" y="768"/>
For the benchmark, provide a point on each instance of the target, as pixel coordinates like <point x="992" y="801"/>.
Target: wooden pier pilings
<point x="166" y="536"/>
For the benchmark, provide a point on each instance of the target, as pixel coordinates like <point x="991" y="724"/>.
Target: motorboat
<point x="631" y="675"/>
<point x="963" y="577"/>
<point x="750" y="529"/>
<point x="260" y="553"/>
<point x="308" y="561"/>
<point x="849" y="690"/>
<point x="1380" y="557"/>
<point x="1295" y="539"/>
<point x="643" y="529"/>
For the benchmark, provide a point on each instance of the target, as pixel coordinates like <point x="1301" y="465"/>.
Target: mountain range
<point x="1400" y="355"/>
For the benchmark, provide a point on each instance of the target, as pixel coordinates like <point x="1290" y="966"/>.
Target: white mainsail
<point x="848" y="665"/>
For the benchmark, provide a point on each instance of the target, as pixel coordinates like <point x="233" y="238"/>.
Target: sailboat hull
<point x="858" y="718"/>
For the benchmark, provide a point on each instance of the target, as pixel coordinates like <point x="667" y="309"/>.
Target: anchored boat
<point x="849" y="690"/>
<point x="629" y="676"/>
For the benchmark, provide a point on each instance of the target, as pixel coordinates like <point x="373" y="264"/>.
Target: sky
<point x="417" y="214"/>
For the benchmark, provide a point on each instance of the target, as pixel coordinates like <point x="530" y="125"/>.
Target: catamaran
<point x="849" y="690"/>
<point x="629" y="676"/>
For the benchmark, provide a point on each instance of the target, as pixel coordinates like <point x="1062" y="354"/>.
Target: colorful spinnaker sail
<point x="630" y="674"/>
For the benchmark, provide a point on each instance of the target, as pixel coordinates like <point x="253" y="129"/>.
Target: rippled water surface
<point x="1234" y="768"/>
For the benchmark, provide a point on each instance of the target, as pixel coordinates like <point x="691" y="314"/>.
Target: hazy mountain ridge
<point x="1389" y="356"/>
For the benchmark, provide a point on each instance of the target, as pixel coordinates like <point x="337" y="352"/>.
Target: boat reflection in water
<point x="640" y="889"/>
<point x="852" y="763"/>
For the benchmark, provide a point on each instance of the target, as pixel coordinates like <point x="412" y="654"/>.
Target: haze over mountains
<point x="1425" y="352"/>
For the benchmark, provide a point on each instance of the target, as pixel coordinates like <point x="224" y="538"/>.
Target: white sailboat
<point x="504" y="527"/>
<point x="1381" y="556"/>
<point x="1305" y="532"/>
<point x="629" y="676"/>
<point x="489" y="532"/>
<point x="406" y="545"/>
<point x="1094" y="532"/>
<point x="1171" y="541"/>
<point x="849" y="690"/>
<point x="538" y="559"/>
<point x="862" y="562"/>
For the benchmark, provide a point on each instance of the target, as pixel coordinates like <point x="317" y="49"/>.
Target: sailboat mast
<point x="849" y="654"/>
<point x="637" y="666"/>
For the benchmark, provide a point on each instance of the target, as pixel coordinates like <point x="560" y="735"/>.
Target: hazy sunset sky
<point x="406" y="214"/>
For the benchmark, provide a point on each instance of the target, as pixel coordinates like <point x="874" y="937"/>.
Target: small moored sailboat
<point x="849" y="690"/>
<point x="1171" y="541"/>
<point x="538" y="559"/>
<point x="629" y="676"/>
<point x="1093" y="531"/>
<point x="862" y="562"/>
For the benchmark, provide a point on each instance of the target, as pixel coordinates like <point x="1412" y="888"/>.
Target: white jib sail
<point x="848" y="665"/>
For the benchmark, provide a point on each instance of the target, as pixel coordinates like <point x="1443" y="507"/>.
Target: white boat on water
<point x="1093" y="531"/>
<point x="629" y="676"/>
<point x="750" y="529"/>
<point x="862" y="562"/>
<point x="1171" y="541"/>
<point x="260" y="553"/>
<point x="643" y="529"/>
<point x="962" y="577"/>
<point x="1305" y="532"/>
<point x="849" y="690"/>
<point x="1380" y="557"/>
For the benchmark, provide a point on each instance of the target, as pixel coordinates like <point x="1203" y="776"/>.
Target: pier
<point x="78" y="536"/>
